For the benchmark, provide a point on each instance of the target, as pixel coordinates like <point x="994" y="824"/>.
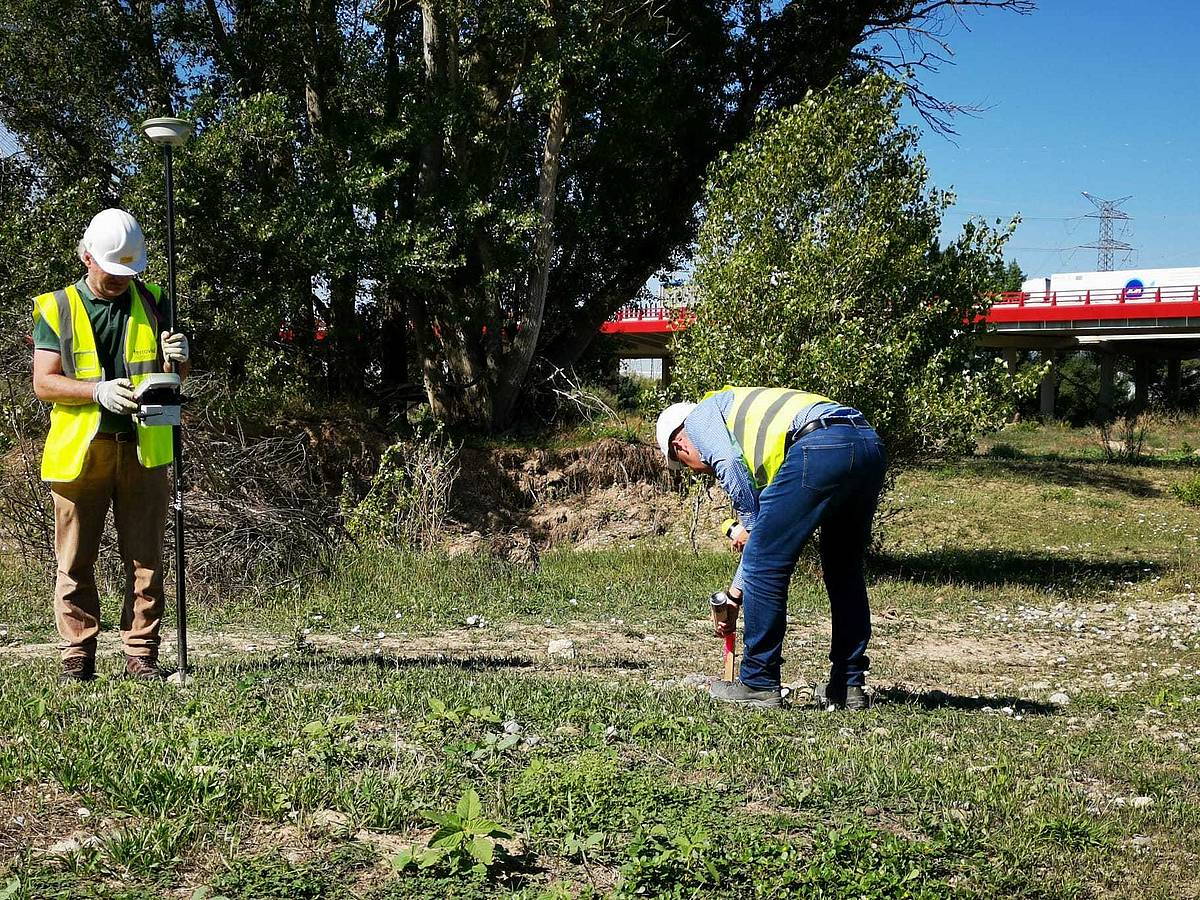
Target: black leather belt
<point x="827" y="421"/>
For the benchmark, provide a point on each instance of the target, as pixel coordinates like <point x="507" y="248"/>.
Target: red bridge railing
<point x="652" y="317"/>
<point x="1174" y="302"/>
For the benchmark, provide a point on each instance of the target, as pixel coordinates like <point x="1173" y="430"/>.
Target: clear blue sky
<point x="1098" y="96"/>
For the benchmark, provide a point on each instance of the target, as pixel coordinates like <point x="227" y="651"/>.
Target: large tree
<point x="480" y="182"/>
<point x="819" y="267"/>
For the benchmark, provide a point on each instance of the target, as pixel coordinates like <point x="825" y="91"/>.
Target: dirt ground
<point x="909" y="654"/>
<point x="516" y="504"/>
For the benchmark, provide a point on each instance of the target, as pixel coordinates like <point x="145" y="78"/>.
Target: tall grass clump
<point x="1123" y="441"/>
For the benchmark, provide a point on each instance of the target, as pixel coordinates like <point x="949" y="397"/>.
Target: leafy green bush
<point x="819" y="268"/>
<point x="409" y="496"/>
<point x="1188" y="490"/>
<point x="642" y="396"/>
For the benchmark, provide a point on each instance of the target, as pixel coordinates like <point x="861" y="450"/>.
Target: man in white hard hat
<point x="94" y="341"/>
<point x="791" y="462"/>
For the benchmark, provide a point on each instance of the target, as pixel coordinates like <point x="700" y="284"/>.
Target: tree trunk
<point x="393" y="350"/>
<point x="434" y="52"/>
<point x="344" y="336"/>
<point x="529" y="323"/>
<point x="455" y="381"/>
<point x="322" y="65"/>
<point x="453" y="368"/>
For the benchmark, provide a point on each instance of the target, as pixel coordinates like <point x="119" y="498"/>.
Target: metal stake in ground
<point x="169" y="133"/>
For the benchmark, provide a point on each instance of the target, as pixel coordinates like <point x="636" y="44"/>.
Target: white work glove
<point x="115" y="396"/>
<point x="174" y="346"/>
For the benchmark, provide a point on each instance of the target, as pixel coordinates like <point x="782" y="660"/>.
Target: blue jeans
<point x="830" y="478"/>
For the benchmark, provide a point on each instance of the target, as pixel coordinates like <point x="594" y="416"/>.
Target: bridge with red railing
<point x="1042" y="320"/>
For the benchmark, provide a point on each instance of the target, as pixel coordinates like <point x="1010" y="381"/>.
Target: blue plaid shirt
<point x="705" y="426"/>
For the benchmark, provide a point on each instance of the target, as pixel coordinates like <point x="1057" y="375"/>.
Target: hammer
<point x="719" y="600"/>
<point x="728" y="527"/>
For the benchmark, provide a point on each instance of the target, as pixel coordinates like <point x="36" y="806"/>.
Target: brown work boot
<point x="143" y="668"/>
<point x="77" y="668"/>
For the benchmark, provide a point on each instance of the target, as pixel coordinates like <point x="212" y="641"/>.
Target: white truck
<point x="1133" y="284"/>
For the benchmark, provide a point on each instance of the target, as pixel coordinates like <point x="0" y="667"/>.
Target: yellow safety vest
<point x="759" y="422"/>
<point x="72" y="426"/>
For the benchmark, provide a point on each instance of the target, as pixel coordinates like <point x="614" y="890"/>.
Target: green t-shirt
<point x="108" y="318"/>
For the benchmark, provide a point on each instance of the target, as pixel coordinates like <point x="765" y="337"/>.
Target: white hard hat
<point x="669" y="421"/>
<point x="115" y="241"/>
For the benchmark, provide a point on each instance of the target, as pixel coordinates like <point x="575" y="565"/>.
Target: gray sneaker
<point x="736" y="692"/>
<point x="853" y="698"/>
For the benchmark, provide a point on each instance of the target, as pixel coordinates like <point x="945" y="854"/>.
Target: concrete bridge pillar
<point x="1049" y="386"/>
<point x="1107" y="373"/>
<point x="1143" y="372"/>
<point x="1011" y="358"/>
<point x="665" y="380"/>
<point x="1174" y="381"/>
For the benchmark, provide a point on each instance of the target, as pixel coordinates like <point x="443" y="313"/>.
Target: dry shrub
<point x="547" y="474"/>
<point x="26" y="522"/>
<point x="607" y="489"/>
<point x="408" y="499"/>
<point x="610" y="461"/>
<point x="256" y="509"/>
<point x="575" y="401"/>
<point x="1124" y="440"/>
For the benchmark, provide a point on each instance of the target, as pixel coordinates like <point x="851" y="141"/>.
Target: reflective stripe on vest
<point x="760" y="419"/>
<point x="73" y="426"/>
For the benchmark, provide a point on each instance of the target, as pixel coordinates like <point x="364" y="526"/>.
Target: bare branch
<point x="916" y="12"/>
<point x="917" y="36"/>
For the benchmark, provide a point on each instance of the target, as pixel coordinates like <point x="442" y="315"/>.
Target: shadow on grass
<point x="1074" y="472"/>
<point x="474" y="662"/>
<point x="1003" y="452"/>
<point x="994" y="568"/>
<point x="471" y="662"/>
<point x="941" y="700"/>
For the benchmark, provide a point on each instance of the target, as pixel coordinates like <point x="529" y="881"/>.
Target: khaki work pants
<point x="139" y="498"/>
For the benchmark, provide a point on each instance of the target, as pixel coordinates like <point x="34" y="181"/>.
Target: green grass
<point x="176" y="787"/>
<point x="304" y="766"/>
<point x="1170" y="438"/>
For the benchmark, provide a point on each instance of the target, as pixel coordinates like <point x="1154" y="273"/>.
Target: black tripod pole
<point x="177" y="441"/>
